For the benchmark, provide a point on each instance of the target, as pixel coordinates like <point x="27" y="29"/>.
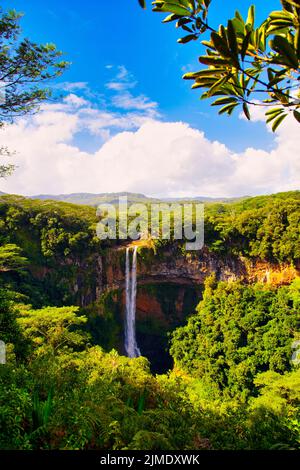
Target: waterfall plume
<point x="131" y="346"/>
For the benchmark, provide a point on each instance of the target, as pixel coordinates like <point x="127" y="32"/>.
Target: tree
<point x="244" y="64"/>
<point x="25" y="68"/>
<point x="11" y="258"/>
<point x="53" y="329"/>
<point x="10" y="331"/>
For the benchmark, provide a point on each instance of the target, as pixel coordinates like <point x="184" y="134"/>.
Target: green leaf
<point x="187" y="29"/>
<point x="270" y="73"/>
<point x="274" y="116"/>
<point x="277" y="30"/>
<point x="224" y="100"/>
<point x="188" y="4"/>
<point x="251" y="16"/>
<point x="197" y="85"/>
<point x="188" y="38"/>
<point x="213" y="60"/>
<point x="220" y="44"/>
<point x="245" y="44"/>
<point x="142" y="3"/>
<point x="246" y="111"/>
<point x="281" y="15"/>
<point x="297" y="41"/>
<point x="273" y="111"/>
<point x="285" y="22"/>
<point x="171" y="8"/>
<point x="171" y="17"/>
<point x="239" y="16"/>
<point x="262" y="38"/>
<point x="210" y="73"/>
<point x="182" y="21"/>
<point x="232" y="40"/>
<point x="278" y="121"/>
<point x="217" y="85"/>
<point x="229" y="108"/>
<point x="296" y="115"/>
<point x="204" y="83"/>
<point x="239" y="26"/>
<point x="281" y="44"/>
<point x="208" y="44"/>
<point x="275" y="81"/>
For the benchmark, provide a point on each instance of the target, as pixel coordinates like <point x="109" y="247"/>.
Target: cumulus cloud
<point x="138" y="152"/>
<point x="76" y="101"/>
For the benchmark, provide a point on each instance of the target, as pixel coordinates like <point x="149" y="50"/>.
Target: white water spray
<point x="131" y="346"/>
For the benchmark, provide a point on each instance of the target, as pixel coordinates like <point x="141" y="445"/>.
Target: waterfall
<point x="131" y="346"/>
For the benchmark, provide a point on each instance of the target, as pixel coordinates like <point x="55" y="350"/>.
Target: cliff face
<point x="192" y="269"/>
<point x="160" y="308"/>
<point x="170" y="267"/>
<point x="85" y="280"/>
<point x="170" y="286"/>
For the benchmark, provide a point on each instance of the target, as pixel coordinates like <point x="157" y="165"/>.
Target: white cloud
<point x="116" y="86"/>
<point x="123" y="99"/>
<point x="122" y="81"/>
<point x="128" y="101"/>
<point x="95" y="120"/>
<point x="141" y="154"/>
<point x="123" y="73"/>
<point x="76" y="101"/>
<point x="119" y="86"/>
<point x="72" y="86"/>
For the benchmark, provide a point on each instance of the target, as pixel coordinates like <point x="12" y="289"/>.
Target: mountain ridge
<point x="95" y="199"/>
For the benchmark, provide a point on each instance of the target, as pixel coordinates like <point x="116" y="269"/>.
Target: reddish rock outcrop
<point x="193" y="268"/>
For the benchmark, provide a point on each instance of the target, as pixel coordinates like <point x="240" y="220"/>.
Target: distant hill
<point x="90" y="199"/>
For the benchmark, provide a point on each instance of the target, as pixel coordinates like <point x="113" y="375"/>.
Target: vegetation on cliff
<point x="65" y="387"/>
<point x="263" y="227"/>
<point x="56" y="241"/>
<point x="238" y="332"/>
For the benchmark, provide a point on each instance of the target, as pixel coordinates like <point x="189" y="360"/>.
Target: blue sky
<point x="124" y="119"/>
<point x="96" y="33"/>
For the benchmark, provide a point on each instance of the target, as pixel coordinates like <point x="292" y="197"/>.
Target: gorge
<point x="68" y="265"/>
<point x="136" y="339"/>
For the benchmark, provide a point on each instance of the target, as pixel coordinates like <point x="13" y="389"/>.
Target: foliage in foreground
<point x="244" y="64"/>
<point x="65" y="394"/>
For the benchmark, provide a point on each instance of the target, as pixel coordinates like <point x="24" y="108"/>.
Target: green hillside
<point x="232" y="384"/>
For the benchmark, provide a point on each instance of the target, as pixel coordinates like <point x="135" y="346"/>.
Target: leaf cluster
<point x="244" y="64"/>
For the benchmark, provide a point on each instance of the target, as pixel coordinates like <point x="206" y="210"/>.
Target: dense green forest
<point x="64" y="386"/>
